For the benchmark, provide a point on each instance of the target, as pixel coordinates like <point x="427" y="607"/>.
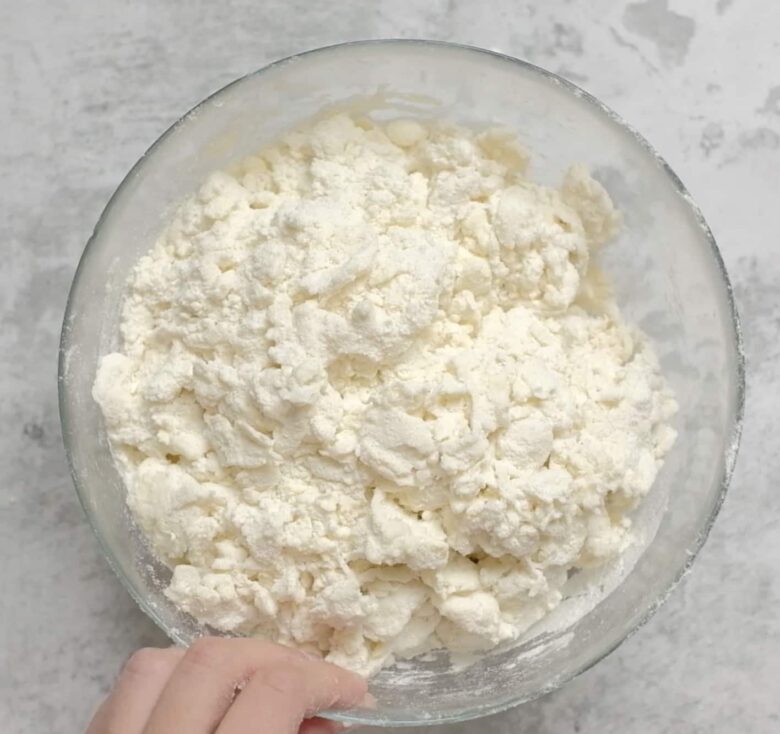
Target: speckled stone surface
<point x="86" y="87"/>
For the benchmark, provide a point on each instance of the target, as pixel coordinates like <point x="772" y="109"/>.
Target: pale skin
<point x="226" y="686"/>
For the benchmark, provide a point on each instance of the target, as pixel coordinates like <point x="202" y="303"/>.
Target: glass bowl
<point x="667" y="274"/>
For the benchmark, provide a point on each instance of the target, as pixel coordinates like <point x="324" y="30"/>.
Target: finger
<point x="320" y="726"/>
<point x="204" y="685"/>
<point x="278" y="698"/>
<point x="142" y="679"/>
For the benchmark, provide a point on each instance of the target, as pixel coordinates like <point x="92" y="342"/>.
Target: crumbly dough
<point x="370" y="399"/>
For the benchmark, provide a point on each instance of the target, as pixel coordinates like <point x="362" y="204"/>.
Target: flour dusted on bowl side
<point x="365" y="404"/>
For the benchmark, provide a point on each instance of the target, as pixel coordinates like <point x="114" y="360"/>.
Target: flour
<point x="372" y="399"/>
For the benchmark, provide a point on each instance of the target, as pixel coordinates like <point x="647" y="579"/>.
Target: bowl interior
<point x="665" y="269"/>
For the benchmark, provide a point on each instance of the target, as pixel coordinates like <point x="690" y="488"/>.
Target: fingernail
<point x="367" y="702"/>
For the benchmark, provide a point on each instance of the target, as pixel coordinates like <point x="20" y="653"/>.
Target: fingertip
<point x="347" y="688"/>
<point x="354" y="688"/>
<point x="150" y="660"/>
<point x="368" y="701"/>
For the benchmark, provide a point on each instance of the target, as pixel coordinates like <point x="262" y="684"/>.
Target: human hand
<point x="225" y="686"/>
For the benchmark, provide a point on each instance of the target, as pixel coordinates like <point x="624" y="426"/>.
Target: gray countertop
<point x="87" y="86"/>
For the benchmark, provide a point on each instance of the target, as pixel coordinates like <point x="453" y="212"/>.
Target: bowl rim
<point x="355" y="716"/>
